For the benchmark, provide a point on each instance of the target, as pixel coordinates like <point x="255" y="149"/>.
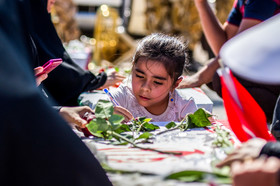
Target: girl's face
<point x="151" y="85"/>
<point x="50" y="4"/>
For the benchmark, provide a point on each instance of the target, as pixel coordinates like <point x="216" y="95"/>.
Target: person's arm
<point x="212" y="28"/>
<point x="216" y="33"/>
<point x="203" y="76"/>
<point x="69" y="80"/>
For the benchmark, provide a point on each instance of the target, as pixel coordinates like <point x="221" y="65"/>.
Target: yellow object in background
<point x="105" y="34"/>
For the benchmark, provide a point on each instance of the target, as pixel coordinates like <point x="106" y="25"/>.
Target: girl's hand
<point x="124" y="112"/>
<point x="76" y="115"/>
<point x="40" y="78"/>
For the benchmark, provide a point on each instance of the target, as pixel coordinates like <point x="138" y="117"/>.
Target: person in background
<point x="249" y="162"/>
<point x="68" y="80"/>
<point x="77" y="114"/>
<point x="244" y="15"/>
<point x="158" y="64"/>
<point x="37" y="145"/>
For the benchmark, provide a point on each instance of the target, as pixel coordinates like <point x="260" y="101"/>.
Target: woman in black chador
<point x="37" y="146"/>
<point x="68" y="80"/>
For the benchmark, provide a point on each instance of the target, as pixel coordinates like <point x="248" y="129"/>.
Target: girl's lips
<point x="143" y="98"/>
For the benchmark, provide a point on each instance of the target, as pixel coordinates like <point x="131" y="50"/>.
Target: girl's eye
<point x="139" y="76"/>
<point x="158" y="83"/>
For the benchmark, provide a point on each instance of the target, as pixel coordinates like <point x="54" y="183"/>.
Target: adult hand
<point x="124" y="112"/>
<point x="112" y="78"/>
<point x="262" y="171"/>
<point x="40" y="78"/>
<point x="203" y="76"/>
<point x="76" y="115"/>
<point x="248" y="150"/>
<point x="190" y="82"/>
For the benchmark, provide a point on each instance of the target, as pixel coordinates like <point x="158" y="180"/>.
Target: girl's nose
<point x="145" y="86"/>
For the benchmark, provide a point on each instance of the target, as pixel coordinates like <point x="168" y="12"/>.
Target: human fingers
<point x="83" y="109"/>
<point x="77" y="120"/>
<point x="38" y="70"/>
<point x="124" y="112"/>
<point x="75" y="115"/>
<point x="233" y="157"/>
<point x="184" y="84"/>
<point x="189" y="82"/>
<point x="262" y="171"/>
<point x="272" y="164"/>
<point x="41" y="78"/>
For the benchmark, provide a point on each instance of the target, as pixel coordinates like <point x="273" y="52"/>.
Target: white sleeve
<point x="120" y="94"/>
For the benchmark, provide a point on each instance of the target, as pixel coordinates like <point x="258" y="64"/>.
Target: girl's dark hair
<point x="170" y="51"/>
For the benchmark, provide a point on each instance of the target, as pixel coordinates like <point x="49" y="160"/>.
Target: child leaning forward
<point x="150" y="91"/>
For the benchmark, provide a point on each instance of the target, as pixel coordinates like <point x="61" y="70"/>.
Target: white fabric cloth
<point x="175" y="111"/>
<point x="255" y="53"/>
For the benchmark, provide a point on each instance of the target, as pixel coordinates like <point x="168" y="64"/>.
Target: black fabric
<point x="37" y="145"/>
<point x="67" y="81"/>
<point x="265" y="95"/>
<point x="57" y="108"/>
<point x="275" y="126"/>
<point x="271" y="149"/>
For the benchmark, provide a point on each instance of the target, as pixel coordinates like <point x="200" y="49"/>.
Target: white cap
<point x="254" y="54"/>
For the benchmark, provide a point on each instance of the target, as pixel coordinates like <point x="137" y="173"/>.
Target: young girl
<point x="150" y="91"/>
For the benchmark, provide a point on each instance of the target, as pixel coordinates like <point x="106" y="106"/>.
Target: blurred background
<point x="102" y="34"/>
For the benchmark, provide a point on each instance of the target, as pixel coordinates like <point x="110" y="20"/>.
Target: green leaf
<point x="199" y="119"/>
<point x="147" y="120"/>
<point x="199" y="176"/>
<point x="119" y="142"/>
<point x="116" y="118"/>
<point x="98" y="125"/>
<point x="170" y="125"/>
<point x="141" y="119"/>
<point x="104" y="109"/>
<point x="150" y="127"/>
<point x="145" y="135"/>
<point x="122" y="128"/>
<point x="127" y="136"/>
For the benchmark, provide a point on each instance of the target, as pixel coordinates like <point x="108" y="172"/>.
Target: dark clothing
<point x="37" y="145"/>
<point x="68" y="80"/>
<point x="271" y="149"/>
<point x="265" y="95"/>
<point x="252" y="9"/>
<point x="275" y="126"/>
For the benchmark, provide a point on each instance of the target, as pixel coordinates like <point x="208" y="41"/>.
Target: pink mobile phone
<point x="50" y="65"/>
